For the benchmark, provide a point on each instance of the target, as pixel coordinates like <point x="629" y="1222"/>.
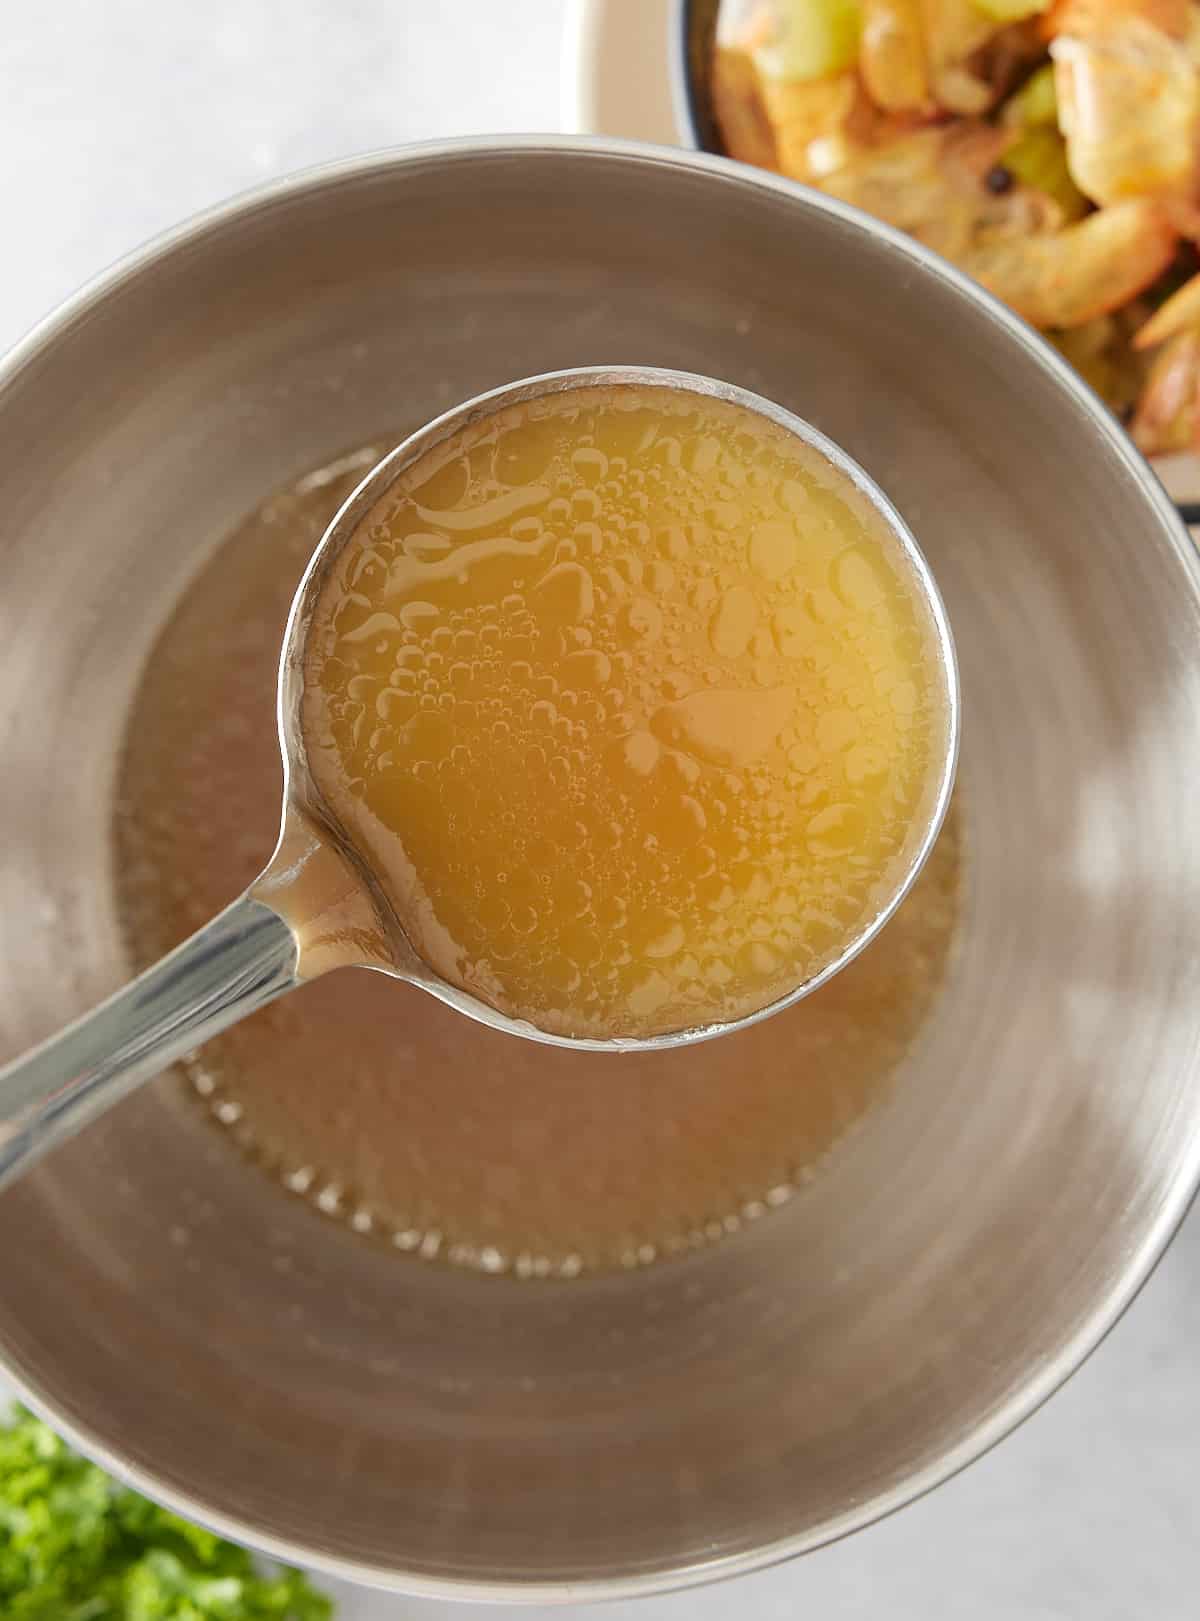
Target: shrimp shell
<point x="1129" y="109"/>
<point x="931" y="183"/>
<point x="1068" y="277"/>
<point x="746" y="131"/>
<point x="819" y="124"/>
<point x="1180" y="311"/>
<point x="892" y="55"/>
<point x="1168" y="414"/>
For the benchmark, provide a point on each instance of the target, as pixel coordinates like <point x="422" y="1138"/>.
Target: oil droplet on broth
<point x="781" y="623"/>
<point x="411" y="1125"/>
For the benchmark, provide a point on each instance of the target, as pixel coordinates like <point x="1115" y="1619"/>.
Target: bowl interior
<point x="440" y="1432"/>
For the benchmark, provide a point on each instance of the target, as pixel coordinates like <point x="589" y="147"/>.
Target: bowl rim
<point x="1175" y="1198"/>
<point x="685" y="105"/>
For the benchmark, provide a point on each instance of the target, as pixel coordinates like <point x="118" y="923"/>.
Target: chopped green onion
<point x="1038" y="158"/>
<point x="1010" y="11"/>
<point x="812" y="39"/>
<point x="1035" y="103"/>
<point x="75" y="1546"/>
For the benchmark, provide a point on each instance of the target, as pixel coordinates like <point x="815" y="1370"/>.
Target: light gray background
<point x="117" y="119"/>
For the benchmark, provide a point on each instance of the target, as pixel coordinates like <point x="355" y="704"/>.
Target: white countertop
<point x="118" y="119"/>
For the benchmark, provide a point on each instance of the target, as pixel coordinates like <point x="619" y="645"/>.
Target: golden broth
<point x="626" y="700"/>
<point x="397" y="1116"/>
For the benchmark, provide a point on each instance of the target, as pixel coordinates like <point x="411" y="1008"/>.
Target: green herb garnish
<point x="75" y="1546"/>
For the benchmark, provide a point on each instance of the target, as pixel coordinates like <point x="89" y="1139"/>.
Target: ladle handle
<point x="243" y="959"/>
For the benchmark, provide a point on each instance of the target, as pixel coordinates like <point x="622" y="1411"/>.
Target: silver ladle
<point x="255" y="951"/>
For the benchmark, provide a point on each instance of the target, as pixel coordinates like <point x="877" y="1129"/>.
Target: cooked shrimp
<point x="1129" y="103"/>
<point x="933" y="184"/>
<point x="954" y="30"/>
<point x="746" y="130"/>
<point x="1068" y="277"/>
<point x="891" y="55"/>
<point x="820" y="124"/>
<point x="1175" y="315"/>
<point x="1084" y="17"/>
<point x="1168" y="414"/>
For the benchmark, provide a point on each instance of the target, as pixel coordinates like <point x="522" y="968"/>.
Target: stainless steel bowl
<point x="449" y="1434"/>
